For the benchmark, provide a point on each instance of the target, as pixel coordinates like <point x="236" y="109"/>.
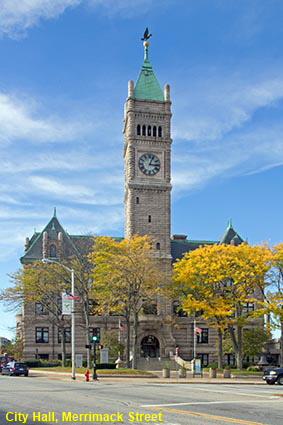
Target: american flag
<point x="198" y="331"/>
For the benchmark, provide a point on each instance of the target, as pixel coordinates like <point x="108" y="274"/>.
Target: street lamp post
<point x="47" y="260"/>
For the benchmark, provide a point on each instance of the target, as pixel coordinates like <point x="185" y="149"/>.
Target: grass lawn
<point x="122" y="371"/>
<point x="237" y="372"/>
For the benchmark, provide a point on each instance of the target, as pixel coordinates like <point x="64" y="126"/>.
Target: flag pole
<point x="119" y="361"/>
<point x="195" y="339"/>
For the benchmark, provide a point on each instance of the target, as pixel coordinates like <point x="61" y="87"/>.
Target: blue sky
<point x="64" y="70"/>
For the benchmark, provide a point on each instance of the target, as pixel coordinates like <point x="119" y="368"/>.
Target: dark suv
<point x="270" y="376"/>
<point x="15" y="368"/>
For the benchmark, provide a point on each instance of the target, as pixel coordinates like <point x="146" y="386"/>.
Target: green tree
<point x="272" y="304"/>
<point x="83" y="284"/>
<point x="220" y="280"/>
<point x="15" y="348"/>
<point x="109" y="339"/>
<point x="125" y="275"/>
<point x="254" y="340"/>
<point x="43" y="284"/>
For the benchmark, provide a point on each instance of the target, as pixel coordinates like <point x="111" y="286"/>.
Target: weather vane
<point x="145" y="38"/>
<point x="146" y="35"/>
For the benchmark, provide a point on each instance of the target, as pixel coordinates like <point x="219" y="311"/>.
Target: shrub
<point x="42" y="363"/>
<point x="106" y="366"/>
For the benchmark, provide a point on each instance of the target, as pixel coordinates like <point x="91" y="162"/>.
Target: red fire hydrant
<point x="87" y="375"/>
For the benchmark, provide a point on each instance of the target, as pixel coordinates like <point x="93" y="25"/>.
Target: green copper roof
<point x="147" y="86"/>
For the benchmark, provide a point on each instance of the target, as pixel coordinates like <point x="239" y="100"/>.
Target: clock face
<point x="149" y="164"/>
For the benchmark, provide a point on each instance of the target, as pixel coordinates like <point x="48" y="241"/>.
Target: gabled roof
<point x="230" y="235"/>
<point x="147" y="86"/>
<point x="34" y="250"/>
<point x="180" y="245"/>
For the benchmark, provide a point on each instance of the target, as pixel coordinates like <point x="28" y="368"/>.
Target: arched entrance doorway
<point x="149" y="346"/>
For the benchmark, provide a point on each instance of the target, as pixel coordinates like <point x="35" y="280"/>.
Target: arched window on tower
<point x="154" y="131"/>
<point x="144" y="130"/>
<point x="158" y="246"/>
<point x="138" y="130"/>
<point x="149" y="130"/>
<point x="53" y="251"/>
<point x="159" y="131"/>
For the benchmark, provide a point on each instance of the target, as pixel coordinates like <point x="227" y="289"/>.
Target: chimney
<point x="179" y="237"/>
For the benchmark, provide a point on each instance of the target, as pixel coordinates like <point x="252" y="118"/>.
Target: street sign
<point x="66" y="304"/>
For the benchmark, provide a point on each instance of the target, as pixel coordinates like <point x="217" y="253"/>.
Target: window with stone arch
<point x="53" y="251"/>
<point x="149" y="130"/>
<point x="138" y="130"/>
<point x="154" y="131"/>
<point x="159" y="131"/>
<point x="144" y="130"/>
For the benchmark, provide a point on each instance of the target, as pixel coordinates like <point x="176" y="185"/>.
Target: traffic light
<point x="96" y="335"/>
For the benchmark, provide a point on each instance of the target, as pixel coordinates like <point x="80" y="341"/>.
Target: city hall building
<point x="147" y="199"/>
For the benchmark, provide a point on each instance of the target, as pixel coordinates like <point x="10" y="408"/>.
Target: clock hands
<point x="153" y="161"/>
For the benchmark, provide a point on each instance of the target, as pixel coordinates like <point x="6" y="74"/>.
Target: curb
<point x="154" y="378"/>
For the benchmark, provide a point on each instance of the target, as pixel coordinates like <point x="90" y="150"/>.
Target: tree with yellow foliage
<point x="125" y="275"/>
<point x="219" y="281"/>
<point x="272" y="304"/>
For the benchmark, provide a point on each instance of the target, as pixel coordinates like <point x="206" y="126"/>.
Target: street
<point x="42" y="400"/>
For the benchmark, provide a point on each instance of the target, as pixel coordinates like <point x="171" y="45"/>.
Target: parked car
<point x="5" y="359"/>
<point x="15" y="368"/>
<point x="270" y="376"/>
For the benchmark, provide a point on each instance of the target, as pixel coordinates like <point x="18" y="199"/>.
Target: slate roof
<point x="71" y="244"/>
<point x="180" y="247"/>
<point x="231" y="235"/>
<point x="81" y="244"/>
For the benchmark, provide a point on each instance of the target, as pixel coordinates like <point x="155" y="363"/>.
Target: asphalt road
<point x="41" y="400"/>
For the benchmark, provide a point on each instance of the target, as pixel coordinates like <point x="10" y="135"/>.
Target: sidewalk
<point x="157" y="379"/>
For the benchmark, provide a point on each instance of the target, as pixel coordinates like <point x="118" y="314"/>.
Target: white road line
<point x="211" y="402"/>
<point x="232" y="392"/>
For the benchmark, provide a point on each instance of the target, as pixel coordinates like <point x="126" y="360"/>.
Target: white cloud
<point x="218" y="133"/>
<point x="72" y="192"/>
<point x="216" y="107"/>
<point x="16" y="16"/>
<point x="18" y="120"/>
<point x="24" y="222"/>
<point x="69" y="159"/>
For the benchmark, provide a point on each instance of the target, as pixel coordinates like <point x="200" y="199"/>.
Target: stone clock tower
<point x="147" y="153"/>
